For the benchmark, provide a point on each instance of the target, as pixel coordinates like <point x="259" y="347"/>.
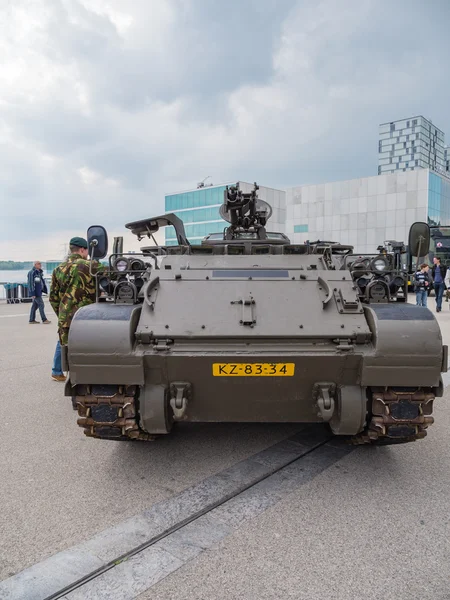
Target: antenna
<point x="201" y="184"/>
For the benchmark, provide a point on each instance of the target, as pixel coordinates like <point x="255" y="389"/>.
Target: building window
<point x="407" y="165"/>
<point x="414" y="122"/>
<point x="379" y="170"/>
<point x="408" y="123"/>
<point x="392" y="127"/>
<point x="304" y="228"/>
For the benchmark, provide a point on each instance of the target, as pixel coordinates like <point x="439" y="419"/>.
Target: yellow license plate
<point x="253" y="369"/>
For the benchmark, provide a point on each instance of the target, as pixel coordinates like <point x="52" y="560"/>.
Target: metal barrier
<point x="15" y="293"/>
<point x="24" y="295"/>
<point x="12" y="293"/>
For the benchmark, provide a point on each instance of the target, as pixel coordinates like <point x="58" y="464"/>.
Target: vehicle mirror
<point x="419" y="239"/>
<point x="97" y="239"/>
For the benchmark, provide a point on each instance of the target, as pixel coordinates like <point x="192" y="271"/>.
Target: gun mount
<point x="245" y="212"/>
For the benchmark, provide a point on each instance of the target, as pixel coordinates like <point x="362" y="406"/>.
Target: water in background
<point x="16" y="277"/>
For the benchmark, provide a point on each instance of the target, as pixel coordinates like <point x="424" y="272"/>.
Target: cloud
<point x="106" y="105"/>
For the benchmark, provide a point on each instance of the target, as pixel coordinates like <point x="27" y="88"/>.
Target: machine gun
<point x="245" y="212"/>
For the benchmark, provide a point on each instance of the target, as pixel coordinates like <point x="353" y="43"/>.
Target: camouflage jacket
<point x="72" y="287"/>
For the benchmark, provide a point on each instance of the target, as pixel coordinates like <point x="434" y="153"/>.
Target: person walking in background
<point x="439" y="272"/>
<point x="447" y="283"/>
<point x="422" y="283"/>
<point x="72" y="287"/>
<point x="37" y="287"/>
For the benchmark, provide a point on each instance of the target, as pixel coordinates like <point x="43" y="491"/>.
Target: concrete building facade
<point x="199" y="209"/>
<point x="366" y="212"/>
<point x="409" y="144"/>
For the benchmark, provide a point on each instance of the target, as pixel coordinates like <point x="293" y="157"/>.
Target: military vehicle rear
<point x="249" y="327"/>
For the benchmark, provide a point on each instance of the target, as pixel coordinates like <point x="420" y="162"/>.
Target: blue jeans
<point x="421" y="298"/>
<point x="37" y="303"/>
<point x="439" y="291"/>
<point x="57" y="366"/>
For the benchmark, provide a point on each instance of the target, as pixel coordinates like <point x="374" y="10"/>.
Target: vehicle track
<point x="395" y="415"/>
<point x="207" y="509"/>
<point x="128" y="558"/>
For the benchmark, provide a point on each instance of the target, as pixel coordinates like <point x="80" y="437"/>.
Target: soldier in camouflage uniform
<point x="72" y="287"/>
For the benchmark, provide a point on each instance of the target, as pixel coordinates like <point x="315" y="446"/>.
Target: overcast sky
<point x="105" y="105"/>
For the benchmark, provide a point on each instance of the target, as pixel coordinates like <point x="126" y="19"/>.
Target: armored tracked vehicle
<point x="249" y="327"/>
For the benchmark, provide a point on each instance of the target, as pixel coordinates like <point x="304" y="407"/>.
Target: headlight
<point x="125" y="292"/>
<point x="360" y="264"/>
<point x="137" y="265"/>
<point x="106" y="285"/>
<point x="362" y="282"/>
<point x="377" y="291"/>
<point x="398" y="281"/>
<point x="121" y="264"/>
<point x="379" y="264"/>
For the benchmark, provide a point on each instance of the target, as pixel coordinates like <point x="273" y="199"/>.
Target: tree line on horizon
<point x="11" y="265"/>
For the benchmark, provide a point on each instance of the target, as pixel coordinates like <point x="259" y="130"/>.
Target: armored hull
<point x="273" y="337"/>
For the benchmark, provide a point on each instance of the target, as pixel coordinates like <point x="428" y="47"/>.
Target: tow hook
<point x="179" y="396"/>
<point x="323" y="394"/>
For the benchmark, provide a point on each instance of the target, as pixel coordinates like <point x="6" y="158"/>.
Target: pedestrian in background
<point x="37" y="287"/>
<point x="72" y="287"/>
<point x="422" y="283"/>
<point x="447" y="283"/>
<point x="439" y="272"/>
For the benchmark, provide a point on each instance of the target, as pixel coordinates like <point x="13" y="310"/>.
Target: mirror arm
<point x="419" y="249"/>
<point x="92" y="244"/>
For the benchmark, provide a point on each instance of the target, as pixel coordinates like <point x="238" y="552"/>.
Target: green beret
<point x="79" y="242"/>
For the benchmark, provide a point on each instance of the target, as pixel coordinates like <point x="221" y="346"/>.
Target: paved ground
<point x="375" y="525"/>
<point x="59" y="487"/>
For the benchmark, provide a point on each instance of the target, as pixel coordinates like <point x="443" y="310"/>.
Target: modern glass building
<point x="409" y="144"/>
<point x="366" y="212"/>
<point x="438" y="199"/>
<point x="50" y="266"/>
<point x="199" y="209"/>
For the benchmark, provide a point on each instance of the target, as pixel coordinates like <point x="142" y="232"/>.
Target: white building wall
<point x="361" y="212"/>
